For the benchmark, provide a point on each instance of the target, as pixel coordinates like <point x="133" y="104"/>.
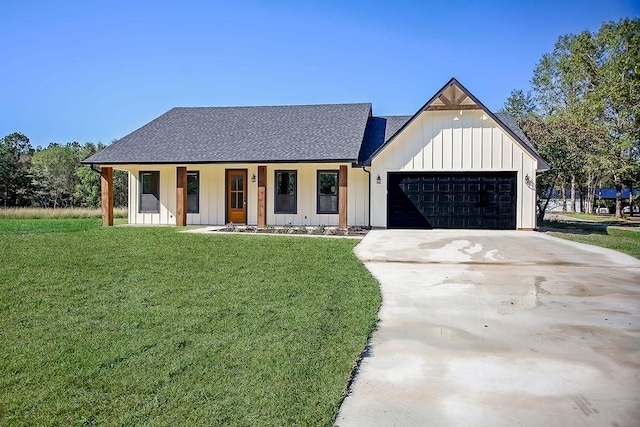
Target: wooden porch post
<point x="106" y="195"/>
<point x="342" y="197"/>
<point x="181" y="196"/>
<point x="262" y="196"/>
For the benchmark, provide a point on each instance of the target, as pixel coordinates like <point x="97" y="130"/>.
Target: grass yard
<point x="15" y="226"/>
<point x="626" y="241"/>
<point x="589" y="217"/>
<point x="58" y="213"/>
<point x="610" y="219"/>
<point x="132" y="326"/>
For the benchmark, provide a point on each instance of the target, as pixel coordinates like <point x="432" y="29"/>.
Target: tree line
<point x="582" y="114"/>
<point x="52" y="177"/>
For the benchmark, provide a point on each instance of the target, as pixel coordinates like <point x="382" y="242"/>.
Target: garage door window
<point x="327" y="192"/>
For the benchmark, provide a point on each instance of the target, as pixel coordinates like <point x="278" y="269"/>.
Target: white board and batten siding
<point x="357" y="194"/>
<point x="455" y="141"/>
<point x="212" y="195"/>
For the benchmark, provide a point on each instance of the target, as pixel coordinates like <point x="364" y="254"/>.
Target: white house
<point x="453" y="164"/>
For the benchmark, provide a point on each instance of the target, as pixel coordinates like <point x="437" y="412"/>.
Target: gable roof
<point x="279" y="134"/>
<point x="453" y="95"/>
<point x="293" y="133"/>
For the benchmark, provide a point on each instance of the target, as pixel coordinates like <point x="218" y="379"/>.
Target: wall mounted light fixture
<point x="529" y="182"/>
<point x="378" y="180"/>
<point x="253" y="177"/>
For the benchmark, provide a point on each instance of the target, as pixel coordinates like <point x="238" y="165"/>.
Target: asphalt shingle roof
<point x="511" y="123"/>
<point x="244" y="134"/>
<point x="290" y="133"/>
<point x="394" y="123"/>
<point x="379" y="130"/>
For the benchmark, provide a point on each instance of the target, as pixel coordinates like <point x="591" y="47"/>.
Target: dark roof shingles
<point x="511" y="123"/>
<point x="244" y="134"/>
<point x="394" y="123"/>
<point x="379" y="130"/>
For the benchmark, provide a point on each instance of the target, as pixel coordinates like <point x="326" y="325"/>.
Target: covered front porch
<point x="308" y="194"/>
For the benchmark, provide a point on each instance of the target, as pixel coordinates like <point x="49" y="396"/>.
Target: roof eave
<point x="212" y="162"/>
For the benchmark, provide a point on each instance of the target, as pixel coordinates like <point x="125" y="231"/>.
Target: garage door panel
<point x="452" y="200"/>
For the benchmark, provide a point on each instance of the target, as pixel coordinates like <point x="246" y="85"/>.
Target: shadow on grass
<point x="573" y="227"/>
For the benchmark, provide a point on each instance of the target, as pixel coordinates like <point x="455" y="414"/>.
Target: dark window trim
<point x="275" y="191"/>
<point x="197" y="174"/>
<point x="337" y="172"/>
<point x="141" y="189"/>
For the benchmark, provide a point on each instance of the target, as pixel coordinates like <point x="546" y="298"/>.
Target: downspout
<point x="369" y="198"/>
<point x="96" y="171"/>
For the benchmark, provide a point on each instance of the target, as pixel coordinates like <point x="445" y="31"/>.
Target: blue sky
<point x="93" y="71"/>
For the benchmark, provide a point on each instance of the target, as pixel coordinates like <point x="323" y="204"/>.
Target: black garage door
<point x="452" y="200"/>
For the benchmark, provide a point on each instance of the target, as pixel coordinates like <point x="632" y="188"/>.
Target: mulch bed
<point x="300" y="230"/>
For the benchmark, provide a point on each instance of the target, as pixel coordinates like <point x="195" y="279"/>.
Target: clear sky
<point x="93" y="71"/>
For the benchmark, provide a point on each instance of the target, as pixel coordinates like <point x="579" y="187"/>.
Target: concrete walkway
<point x="498" y="328"/>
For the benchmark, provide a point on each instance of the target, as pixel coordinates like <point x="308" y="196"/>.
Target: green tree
<point x="568" y="148"/>
<point x="594" y="79"/>
<point x="54" y="174"/>
<point x="87" y="187"/>
<point x="87" y="192"/>
<point x="564" y="81"/>
<point x="618" y="99"/>
<point x="88" y="181"/>
<point x="519" y="104"/>
<point x="120" y="188"/>
<point x="15" y="159"/>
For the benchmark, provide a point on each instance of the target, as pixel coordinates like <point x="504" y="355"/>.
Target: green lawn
<point x="16" y="226"/>
<point x="590" y="217"/>
<point x="603" y="218"/>
<point x="626" y="241"/>
<point x="58" y="213"/>
<point x="147" y="326"/>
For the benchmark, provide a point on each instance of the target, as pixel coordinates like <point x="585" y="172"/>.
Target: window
<point x="286" y="192"/>
<point x="150" y="192"/>
<point x="193" y="192"/>
<point x="327" y="191"/>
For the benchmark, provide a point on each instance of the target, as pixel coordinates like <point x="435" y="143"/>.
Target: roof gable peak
<point x="454" y="96"/>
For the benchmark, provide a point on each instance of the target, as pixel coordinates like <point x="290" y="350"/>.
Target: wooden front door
<point x="237" y="196"/>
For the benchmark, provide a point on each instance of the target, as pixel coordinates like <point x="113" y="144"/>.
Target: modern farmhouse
<point x="452" y="164"/>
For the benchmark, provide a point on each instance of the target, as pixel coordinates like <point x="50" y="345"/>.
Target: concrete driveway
<point x="498" y="328"/>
